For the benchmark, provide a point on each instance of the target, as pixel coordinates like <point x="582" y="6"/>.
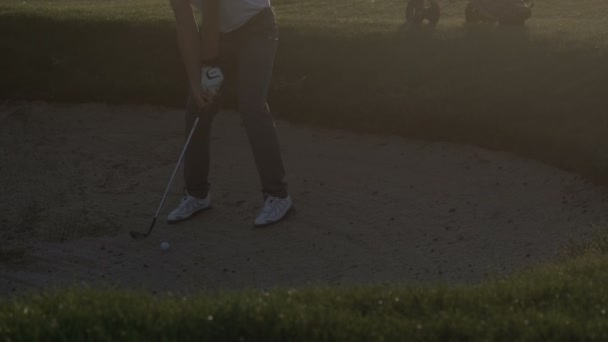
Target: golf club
<point x="138" y="235"/>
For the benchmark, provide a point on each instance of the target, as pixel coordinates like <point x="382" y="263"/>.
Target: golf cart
<point x="505" y="12"/>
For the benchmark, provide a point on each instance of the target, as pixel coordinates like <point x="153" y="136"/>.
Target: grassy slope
<point x="349" y="64"/>
<point x="565" y="302"/>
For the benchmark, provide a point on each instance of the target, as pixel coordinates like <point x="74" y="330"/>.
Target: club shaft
<point x="151" y="226"/>
<point x="179" y="162"/>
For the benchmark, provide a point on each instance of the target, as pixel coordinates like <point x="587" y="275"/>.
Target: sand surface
<point x="370" y="209"/>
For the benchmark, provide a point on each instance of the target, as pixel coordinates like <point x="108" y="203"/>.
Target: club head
<point x="137" y="235"/>
<point x="140" y="236"/>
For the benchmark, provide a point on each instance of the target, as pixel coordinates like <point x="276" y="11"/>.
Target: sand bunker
<point x="371" y="209"/>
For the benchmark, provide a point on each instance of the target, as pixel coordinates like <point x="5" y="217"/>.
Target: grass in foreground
<point x="565" y="302"/>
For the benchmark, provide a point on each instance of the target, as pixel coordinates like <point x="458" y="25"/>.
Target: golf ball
<point x="164" y="246"/>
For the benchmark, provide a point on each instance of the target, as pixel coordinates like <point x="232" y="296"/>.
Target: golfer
<point x="240" y="37"/>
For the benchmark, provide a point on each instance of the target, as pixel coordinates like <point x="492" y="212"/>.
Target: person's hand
<point x="201" y="96"/>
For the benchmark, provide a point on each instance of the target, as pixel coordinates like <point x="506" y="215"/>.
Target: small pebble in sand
<point x="164" y="246"/>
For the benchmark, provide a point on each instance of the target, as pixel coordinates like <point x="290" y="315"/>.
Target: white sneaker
<point x="189" y="207"/>
<point x="275" y="209"/>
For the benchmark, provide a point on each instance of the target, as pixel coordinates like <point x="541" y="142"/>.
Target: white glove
<point x="212" y="78"/>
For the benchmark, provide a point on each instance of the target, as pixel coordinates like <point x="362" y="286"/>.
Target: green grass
<point x="567" y="301"/>
<point x="537" y="91"/>
<point x="564" y="302"/>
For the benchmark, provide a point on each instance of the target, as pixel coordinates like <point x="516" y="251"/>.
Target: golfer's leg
<point x="256" y="59"/>
<point x="196" y="158"/>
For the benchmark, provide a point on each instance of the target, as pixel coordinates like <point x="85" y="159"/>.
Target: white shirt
<point x="234" y="13"/>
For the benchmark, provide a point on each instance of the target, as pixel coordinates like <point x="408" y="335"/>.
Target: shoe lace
<point x="269" y="204"/>
<point x="187" y="203"/>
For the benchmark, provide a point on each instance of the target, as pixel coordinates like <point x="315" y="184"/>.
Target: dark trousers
<point x="246" y="58"/>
